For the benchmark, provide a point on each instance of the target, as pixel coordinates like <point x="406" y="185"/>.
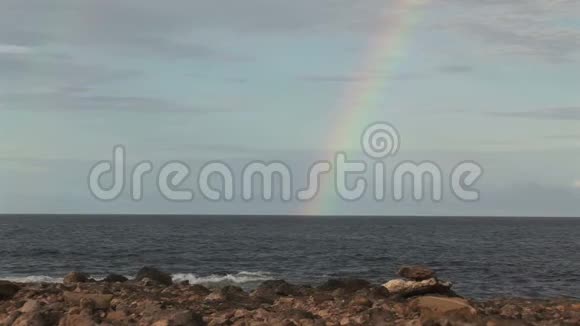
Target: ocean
<point x="483" y="257"/>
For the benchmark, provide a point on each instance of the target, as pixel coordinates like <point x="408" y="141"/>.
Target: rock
<point x="87" y="305"/>
<point x="113" y="278"/>
<point x="510" y="311"/>
<point x="438" y="308"/>
<point x="380" y="317"/>
<point x="8" y="290"/>
<point x="101" y="301"/>
<point x="361" y="300"/>
<point x="9" y="318"/>
<point x="269" y="291"/>
<point x="154" y="275"/>
<point x="231" y="291"/>
<point x="30" y="306"/>
<point x="181" y="318"/>
<point x="296" y="314"/>
<point x="215" y="296"/>
<point x="280" y="288"/>
<point x="349" y="285"/>
<point x="131" y="303"/>
<point x="147" y="281"/>
<point x="320" y="297"/>
<point x="411" y="288"/>
<point x="75" y="277"/>
<point x="378" y="293"/>
<point x="77" y="320"/>
<point x="30" y="319"/>
<point x="200" y="290"/>
<point x="119" y="317"/>
<point x="416" y="273"/>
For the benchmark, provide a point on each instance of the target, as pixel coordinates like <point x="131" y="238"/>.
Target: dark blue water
<point x="484" y="257"/>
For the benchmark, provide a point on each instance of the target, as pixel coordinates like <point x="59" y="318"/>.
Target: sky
<point x="490" y="81"/>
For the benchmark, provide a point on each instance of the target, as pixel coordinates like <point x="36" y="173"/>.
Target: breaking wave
<point x="214" y="279"/>
<point x="238" y="278"/>
<point x="32" y="279"/>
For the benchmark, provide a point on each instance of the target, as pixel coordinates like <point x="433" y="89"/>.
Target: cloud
<point x="37" y="70"/>
<point x="129" y="28"/>
<point x="562" y="113"/>
<point x="576" y="184"/>
<point x="75" y="102"/>
<point x="153" y="27"/>
<point x="455" y="69"/>
<point x="564" y="137"/>
<point x="189" y="29"/>
<point x="228" y="149"/>
<point x="346" y="78"/>
<point x="521" y="28"/>
<point x="14" y="49"/>
<point x="336" y="78"/>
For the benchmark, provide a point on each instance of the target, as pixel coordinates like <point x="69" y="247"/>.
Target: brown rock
<point x="8" y="290"/>
<point x="9" y="318"/>
<point x="180" y="318"/>
<point x="436" y="308"/>
<point x="295" y="314"/>
<point x="87" y="304"/>
<point x="361" y="300"/>
<point x="215" y="296"/>
<point x="233" y="292"/>
<point x="268" y="291"/>
<point x="117" y="317"/>
<point x="75" y="277"/>
<point x="30" y="306"/>
<point x="164" y="322"/>
<point x="101" y="301"/>
<point x="154" y="275"/>
<point x="380" y="317"/>
<point x="320" y="297"/>
<point x="349" y="285"/>
<point x="200" y="290"/>
<point x="77" y="320"/>
<point x="416" y="273"/>
<point x="510" y="311"/>
<point x="30" y="319"/>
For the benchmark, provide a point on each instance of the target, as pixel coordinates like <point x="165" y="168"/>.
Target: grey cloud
<point x="455" y="69"/>
<point x="71" y="102"/>
<point x="448" y="69"/>
<point x="173" y="29"/>
<point x="551" y="45"/>
<point x="521" y="28"/>
<point x="561" y="113"/>
<point x="121" y="28"/>
<point x="336" y="78"/>
<point x="36" y="70"/>
<point x="213" y="148"/>
<point x="136" y="21"/>
<point x="564" y="137"/>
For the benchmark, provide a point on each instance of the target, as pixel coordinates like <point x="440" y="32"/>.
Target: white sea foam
<point x="237" y="278"/>
<point x="32" y="279"/>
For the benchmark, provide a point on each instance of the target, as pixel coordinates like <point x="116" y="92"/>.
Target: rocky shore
<point x="152" y="298"/>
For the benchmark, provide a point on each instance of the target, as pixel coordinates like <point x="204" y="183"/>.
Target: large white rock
<point x="408" y="288"/>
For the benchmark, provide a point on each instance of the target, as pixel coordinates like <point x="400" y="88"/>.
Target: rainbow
<point x="361" y="101"/>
